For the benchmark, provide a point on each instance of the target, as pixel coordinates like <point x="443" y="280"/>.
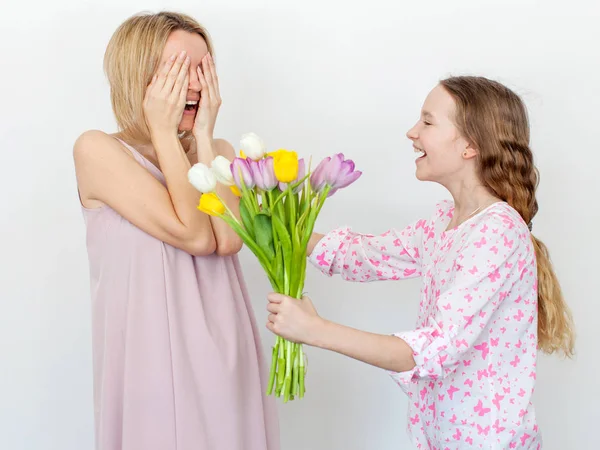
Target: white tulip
<point x="221" y="167"/>
<point x="202" y="178"/>
<point x="253" y="146"/>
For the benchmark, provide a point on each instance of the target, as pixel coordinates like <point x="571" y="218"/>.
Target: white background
<point x="318" y="77"/>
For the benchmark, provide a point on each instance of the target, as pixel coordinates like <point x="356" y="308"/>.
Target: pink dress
<point x="475" y="343"/>
<point x="177" y="357"/>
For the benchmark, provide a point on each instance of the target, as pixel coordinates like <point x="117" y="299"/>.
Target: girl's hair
<point x="131" y="60"/>
<point x="494" y="120"/>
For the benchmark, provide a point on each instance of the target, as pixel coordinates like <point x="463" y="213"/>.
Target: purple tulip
<point x="317" y="177"/>
<point x="263" y="173"/>
<point x="301" y="174"/>
<point x="241" y="171"/>
<point x="336" y="172"/>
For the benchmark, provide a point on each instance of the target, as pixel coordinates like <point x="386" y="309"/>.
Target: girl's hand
<point x="210" y="99"/>
<point x="165" y="97"/>
<point x="293" y="319"/>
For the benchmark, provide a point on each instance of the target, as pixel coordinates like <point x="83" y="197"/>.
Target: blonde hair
<point x="131" y="60"/>
<point x="494" y="119"/>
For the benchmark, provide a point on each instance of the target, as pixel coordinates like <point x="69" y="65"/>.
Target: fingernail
<point x="182" y="54"/>
<point x="172" y="58"/>
<point x="187" y="60"/>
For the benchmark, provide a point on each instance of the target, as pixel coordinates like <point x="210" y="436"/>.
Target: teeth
<point x="191" y="102"/>
<point x="419" y="151"/>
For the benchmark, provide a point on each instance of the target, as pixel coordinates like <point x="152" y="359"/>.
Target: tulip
<point x="301" y="174"/>
<point x="221" y="167"/>
<point x="263" y="173"/>
<point x="241" y="172"/>
<point x="335" y="172"/>
<point x="202" y="178"/>
<point x="286" y="165"/>
<point x="211" y="205"/>
<point x="252" y="146"/>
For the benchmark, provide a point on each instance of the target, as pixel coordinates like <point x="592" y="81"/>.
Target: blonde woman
<point x="177" y="357"/>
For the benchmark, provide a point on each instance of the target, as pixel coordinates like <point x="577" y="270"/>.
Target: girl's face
<point x="443" y="151"/>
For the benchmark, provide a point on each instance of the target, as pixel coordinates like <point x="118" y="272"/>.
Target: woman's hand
<point x="165" y="97"/>
<point x="210" y="99"/>
<point x="293" y="319"/>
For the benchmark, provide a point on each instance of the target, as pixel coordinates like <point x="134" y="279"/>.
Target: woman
<point x="489" y="297"/>
<point x="177" y="357"/>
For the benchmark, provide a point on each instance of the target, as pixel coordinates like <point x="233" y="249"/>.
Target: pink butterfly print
<point x="518" y="344"/>
<point x="524" y="438"/>
<point x="484" y="228"/>
<point x="409" y="272"/>
<point x="502" y="295"/>
<point x="453" y="418"/>
<point x="506" y="390"/>
<point x="379" y="274"/>
<point x="522" y="393"/>
<point x="508" y="243"/>
<point x="469" y="320"/>
<point x="423" y="393"/>
<point x="480" y="409"/>
<point x="474" y="270"/>
<point x="420" y="224"/>
<point x="321" y="259"/>
<point x="457" y="435"/>
<point x="494" y="342"/>
<point x="462" y="342"/>
<point x="469" y="382"/>
<point x="513" y="445"/>
<point x="481" y="242"/>
<point x="374" y="262"/>
<point x="495" y="275"/>
<point x="522" y="413"/>
<point x="416" y="250"/>
<point x="515" y="362"/>
<point x="483" y="347"/>
<point x="494" y="250"/>
<point x="481" y="374"/>
<point x="415" y="420"/>
<point x="522" y="264"/>
<point x="491" y="371"/>
<point x="451" y="390"/>
<point x="469" y="298"/>
<point x="441" y="397"/>
<point x="497" y="399"/>
<point x="358" y="263"/>
<point x="503" y="330"/>
<point x="469" y="440"/>
<point x="482" y="314"/>
<point x="397" y="243"/>
<point x="447" y="307"/>
<point x="485" y="430"/>
<point x="497" y="426"/>
<point x="519" y="315"/>
<point x="466" y="362"/>
<point x="385" y="257"/>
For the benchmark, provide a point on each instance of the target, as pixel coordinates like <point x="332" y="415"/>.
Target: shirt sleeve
<point x="393" y="255"/>
<point x="485" y="271"/>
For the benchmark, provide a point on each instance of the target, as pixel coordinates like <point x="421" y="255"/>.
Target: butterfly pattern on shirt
<point x="475" y="341"/>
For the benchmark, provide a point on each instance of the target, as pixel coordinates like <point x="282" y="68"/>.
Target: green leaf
<point x="263" y="230"/>
<point x="247" y="219"/>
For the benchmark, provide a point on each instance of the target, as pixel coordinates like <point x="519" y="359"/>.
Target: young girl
<point x="489" y="298"/>
<point x="177" y="357"/>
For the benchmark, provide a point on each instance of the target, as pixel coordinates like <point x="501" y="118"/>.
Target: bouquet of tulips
<point x="279" y="203"/>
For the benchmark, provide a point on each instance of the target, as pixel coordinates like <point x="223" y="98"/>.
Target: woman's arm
<point x="105" y="172"/>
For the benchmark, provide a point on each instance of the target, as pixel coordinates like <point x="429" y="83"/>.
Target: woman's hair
<point x="131" y="60"/>
<point x="494" y="120"/>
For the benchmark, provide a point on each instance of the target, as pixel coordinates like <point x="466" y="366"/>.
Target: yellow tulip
<point x="235" y="190"/>
<point x="286" y="165"/>
<point x="211" y="205"/>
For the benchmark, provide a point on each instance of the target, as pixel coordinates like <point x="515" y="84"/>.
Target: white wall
<point x="319" y="77"/>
